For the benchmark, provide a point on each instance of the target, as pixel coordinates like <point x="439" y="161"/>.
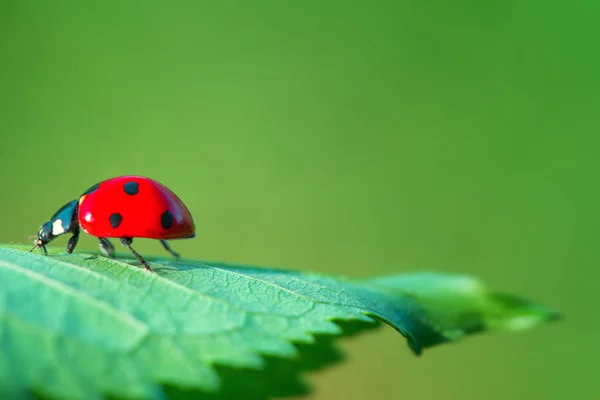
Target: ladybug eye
<point x="45" y="232"/>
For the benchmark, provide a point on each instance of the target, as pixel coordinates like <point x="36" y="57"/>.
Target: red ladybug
<point x="124" y="207"/>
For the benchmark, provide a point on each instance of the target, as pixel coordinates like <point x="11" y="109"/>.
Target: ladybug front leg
<point x="127" y="243"/>
<point x="107" y="248"/>
<point x="73" y="241"/>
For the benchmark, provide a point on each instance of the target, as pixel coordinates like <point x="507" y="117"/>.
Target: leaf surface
<point x="82" y="326"/>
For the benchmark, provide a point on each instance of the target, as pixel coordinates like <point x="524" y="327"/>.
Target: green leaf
<point x="82" y="326"/>
<point x="457" y="305"/>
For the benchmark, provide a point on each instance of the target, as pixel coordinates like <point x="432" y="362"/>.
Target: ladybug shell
<point x="134" y="206"/>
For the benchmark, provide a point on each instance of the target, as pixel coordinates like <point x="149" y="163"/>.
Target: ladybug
<point x="124" y="207"/>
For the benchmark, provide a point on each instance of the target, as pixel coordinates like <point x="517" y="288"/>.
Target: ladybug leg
<point x="73" y="241"/>
<point x="127" y="243"/>
<point x="107" y="248"/>
<point x="168" y="248"/>
<point x="41" y="246"/>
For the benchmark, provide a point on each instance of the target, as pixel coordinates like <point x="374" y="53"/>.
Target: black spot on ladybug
<point x="131" y="188"/>
<point x="166" y="219"/>
<point x="92" y="189"/>
<point x="115" y="220"/>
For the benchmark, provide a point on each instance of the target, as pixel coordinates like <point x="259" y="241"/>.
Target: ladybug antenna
<point x="36" y="243"/>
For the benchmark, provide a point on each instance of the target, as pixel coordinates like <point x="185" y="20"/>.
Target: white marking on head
<point x="57" y="227"/>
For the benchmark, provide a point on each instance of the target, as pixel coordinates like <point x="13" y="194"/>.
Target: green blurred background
<point x="354" y="138"/>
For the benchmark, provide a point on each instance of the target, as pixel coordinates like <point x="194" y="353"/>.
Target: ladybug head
<point x="44" y="236"/>
<point x="62" y="221"/>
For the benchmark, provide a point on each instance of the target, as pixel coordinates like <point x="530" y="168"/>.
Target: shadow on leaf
<point x="279" y="377"/>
